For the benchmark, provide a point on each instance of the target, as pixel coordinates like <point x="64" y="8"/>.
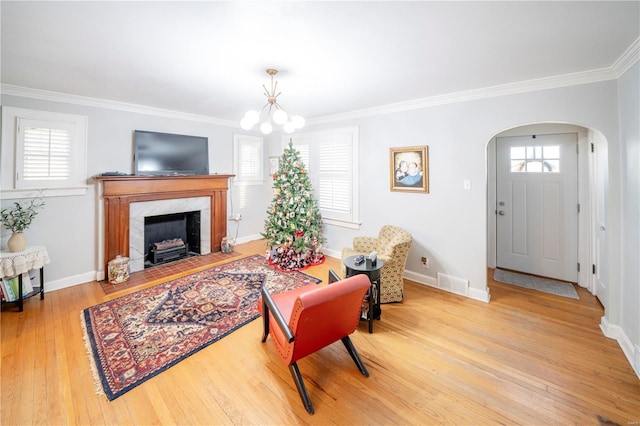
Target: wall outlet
<point x="236" y="217"/>
<point x="425" y="261"/>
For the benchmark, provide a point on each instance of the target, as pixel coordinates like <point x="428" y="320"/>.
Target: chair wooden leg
<point x="265" y="321"/>
<point x="302" y="390"/>
<point x="354" y="355"/>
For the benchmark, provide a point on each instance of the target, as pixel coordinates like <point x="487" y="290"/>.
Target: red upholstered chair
<point x="311" y="317"/>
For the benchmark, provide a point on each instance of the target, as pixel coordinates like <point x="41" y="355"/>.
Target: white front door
<point x="537" y="205"/>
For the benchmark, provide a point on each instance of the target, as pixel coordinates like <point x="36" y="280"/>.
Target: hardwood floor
<point x="524" y="358"/>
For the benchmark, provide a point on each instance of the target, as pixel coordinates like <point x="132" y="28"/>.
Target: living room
<point x="449" y="223"/>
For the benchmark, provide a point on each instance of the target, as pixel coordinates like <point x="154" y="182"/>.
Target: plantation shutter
<point x="44" y="152"/>
<point x="248" y="159"/>
<point x="335" y="163"/>
<point x="303" y="150"/>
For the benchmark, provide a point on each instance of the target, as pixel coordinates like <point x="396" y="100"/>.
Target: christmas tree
<point x="293" y="226"/>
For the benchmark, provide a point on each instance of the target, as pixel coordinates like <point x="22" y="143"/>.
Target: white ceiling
<point x="209" y="58"/>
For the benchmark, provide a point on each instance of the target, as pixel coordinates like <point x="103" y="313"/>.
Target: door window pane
<point x="535" y="159"/>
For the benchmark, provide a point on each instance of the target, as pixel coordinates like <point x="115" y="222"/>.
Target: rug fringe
<point x="97" y="384"/>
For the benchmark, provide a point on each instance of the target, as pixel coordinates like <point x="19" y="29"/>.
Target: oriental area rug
<point x="137" y="336"/>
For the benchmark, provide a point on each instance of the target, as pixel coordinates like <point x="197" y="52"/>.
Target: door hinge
<point x="578" y="266"/>
<point x="593" y="147"/>
<point x="578" y="207"/>
<point x="593" y="269"/>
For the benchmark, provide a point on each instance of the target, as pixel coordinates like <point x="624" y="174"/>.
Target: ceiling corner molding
<point x="46" y="95"/>
<point x="627" y="59"/>
<point x="554" y="82"/>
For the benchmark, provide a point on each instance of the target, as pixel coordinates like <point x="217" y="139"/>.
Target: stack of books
<point x="9" y="287"/>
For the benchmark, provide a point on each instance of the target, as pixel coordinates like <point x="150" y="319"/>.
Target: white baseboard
<point x="248" y="238"/>
<point x="616" y="332"/>
<point x="69" y="281"/>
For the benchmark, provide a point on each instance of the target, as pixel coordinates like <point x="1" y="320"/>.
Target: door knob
<point x="501" y="212"/>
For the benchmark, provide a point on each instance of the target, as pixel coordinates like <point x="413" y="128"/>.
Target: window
<point x="331" y="159"/>
<point x="45" y="150"/>
<point x="49" y="151"/>
<point x="535" y="159"/>
<point x="248" y="160"/>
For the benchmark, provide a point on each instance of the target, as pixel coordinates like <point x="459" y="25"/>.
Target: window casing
<point x="48" y="149"/>
<point x="331" y="160"/>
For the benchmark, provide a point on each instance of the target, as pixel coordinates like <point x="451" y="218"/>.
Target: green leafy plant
<point x="19" y="217"/>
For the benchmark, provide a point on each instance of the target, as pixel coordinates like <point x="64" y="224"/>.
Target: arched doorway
<point x="591" y="244"/>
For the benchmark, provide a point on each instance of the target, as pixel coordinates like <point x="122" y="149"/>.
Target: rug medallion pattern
<point x="136" y="336"/>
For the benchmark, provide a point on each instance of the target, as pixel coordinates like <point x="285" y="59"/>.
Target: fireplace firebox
<point x="170" y="237"/>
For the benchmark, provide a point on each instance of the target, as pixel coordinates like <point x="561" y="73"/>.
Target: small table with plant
<point x="20" y="259"/>
<point x="16" y="265"/>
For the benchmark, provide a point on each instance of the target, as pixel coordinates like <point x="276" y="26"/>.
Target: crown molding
<point x="554" y="82"/>
<point x="627" y="59"/>
<point x="28" y="92"/>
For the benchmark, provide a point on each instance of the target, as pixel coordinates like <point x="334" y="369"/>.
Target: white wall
<point x="448" y="225"/>
<point x="628" y="297"/>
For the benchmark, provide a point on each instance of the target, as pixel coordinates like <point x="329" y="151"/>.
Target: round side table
<point x="373" y="310"/>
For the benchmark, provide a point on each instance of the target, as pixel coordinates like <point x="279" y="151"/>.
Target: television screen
<point x="166" y="154"/>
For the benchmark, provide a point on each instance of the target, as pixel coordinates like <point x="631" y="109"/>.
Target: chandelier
<point x="271" y="112"/>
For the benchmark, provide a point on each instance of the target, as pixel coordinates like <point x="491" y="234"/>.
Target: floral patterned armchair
<point x="392" y="245"/>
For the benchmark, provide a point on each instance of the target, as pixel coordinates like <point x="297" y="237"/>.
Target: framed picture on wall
<point x="409" y="169"/>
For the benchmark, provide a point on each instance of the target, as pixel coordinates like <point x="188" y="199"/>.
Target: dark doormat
<point x="546" y="285"/>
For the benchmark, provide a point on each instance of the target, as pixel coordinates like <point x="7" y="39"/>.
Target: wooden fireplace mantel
<point x="118" y="192"/>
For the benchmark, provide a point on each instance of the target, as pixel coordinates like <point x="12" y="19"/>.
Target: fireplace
<point x="171" y="237"/>
<point x="174" y="214"/>
<point x="129" y="199"/>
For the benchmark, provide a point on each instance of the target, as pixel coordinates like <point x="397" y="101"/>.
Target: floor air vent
<point x="453" y="284"/>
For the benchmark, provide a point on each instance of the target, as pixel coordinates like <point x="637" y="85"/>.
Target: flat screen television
<point x="166" y="154"/>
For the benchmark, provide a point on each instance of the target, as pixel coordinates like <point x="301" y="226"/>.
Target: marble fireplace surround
<point x="123" y="194"/>
<point x="138" y="211"/>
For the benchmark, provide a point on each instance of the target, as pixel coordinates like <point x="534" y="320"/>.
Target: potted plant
<point x="17" y="219"/>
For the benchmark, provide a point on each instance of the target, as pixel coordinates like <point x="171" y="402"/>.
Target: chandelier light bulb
<point x="279" y="117"/>
<point x="266" y="128"/>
